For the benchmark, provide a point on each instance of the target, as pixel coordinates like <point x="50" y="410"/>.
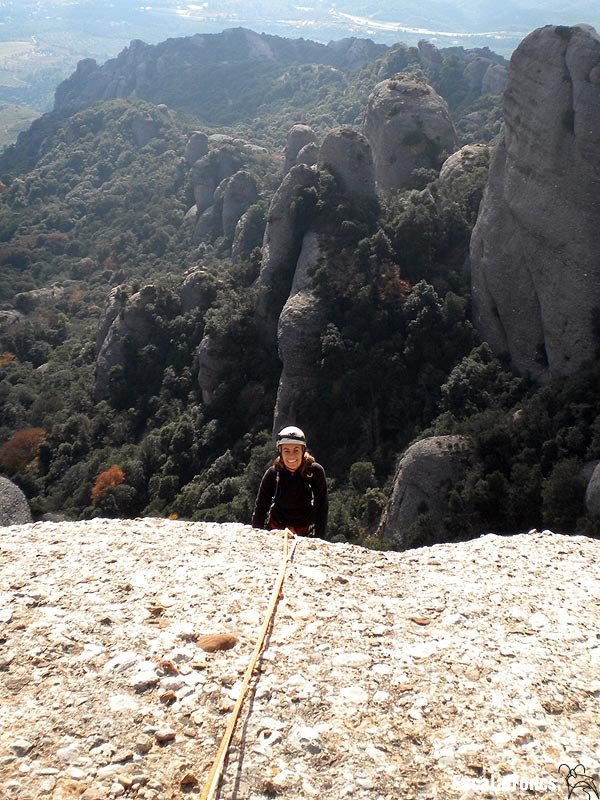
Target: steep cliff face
<point x="408" y="126"/>
<point x="281" y="244"/>
<point x="302" y="320"/>
<point x="534" y="250"/>
<point x="299" y="136"/>
<point x="301" y="324"/>
<point x="211" y="170"/>
<point x="485" y="76"/>
<point x="196" y="148"/>
<point x="347" y="154"/>
<point x="123" y="318"/>
<point x="213" y="363"/>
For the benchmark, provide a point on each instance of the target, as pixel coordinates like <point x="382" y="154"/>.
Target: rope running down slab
<point x="214" y="778"/>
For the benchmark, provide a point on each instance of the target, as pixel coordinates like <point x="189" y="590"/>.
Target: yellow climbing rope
<point x="214" y="777"/>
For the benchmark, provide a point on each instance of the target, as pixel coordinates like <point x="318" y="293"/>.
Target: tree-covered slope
<point x="263" y="83"/>
<point x="93" y="210"/>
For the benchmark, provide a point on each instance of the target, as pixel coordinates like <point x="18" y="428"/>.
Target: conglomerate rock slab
<point x="386" y="675"/>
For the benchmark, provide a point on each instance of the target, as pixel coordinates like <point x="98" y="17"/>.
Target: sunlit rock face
<point x="211" y="170"/>
<point x="124" y="319"/>
<point x="465" y="161"/>
<point x="534" y="250"/>
<point x="408" y="126"/>
<point x="281" y="245"/>
<point x="299" y="330"/>
<point x="238" y="195"/>
<point x="347" y="154"/>
<point x="299" y="136"/>
<point x="495" y="79"/>
<point x="196" y="147"/>
<point x="426" y="474"/>
<point x="14" y="508"/>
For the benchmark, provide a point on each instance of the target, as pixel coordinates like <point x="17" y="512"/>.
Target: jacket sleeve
<point x="319" y="488"/>
<point x="263" y="499"/>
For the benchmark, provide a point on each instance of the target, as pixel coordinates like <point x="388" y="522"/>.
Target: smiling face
<point x="292" y="456"/>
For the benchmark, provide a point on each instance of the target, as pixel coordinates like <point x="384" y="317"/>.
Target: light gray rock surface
<point x="426" y="473"/>
<point x="347" y="155"/>
<point x="352" y="52"/>
<point x="495" y="79"/>
<point x="213" y="365"/>
<point x="144" y="128"/>
<point x="249" y="232"/>
<point x="301" y="324"/>
<point x="309" y="154"/>
<point x="592" y="493"/>
<point x="534" y="250"/>
<point x="8" y="320"/>
<point x="34" y="299"/>
<point x="475" y="72"/>
<point x="298" y="137"/>
<point x="408" y="675"/>
<point x="190" y="216"/>
<point x="299" y="331"/>
<point x="196" y="147"/>
<point x="210" y="171"/>
<point x="131" y="319"/>
<point x="238" y="195"/>
<point x="14" y="508"/>
<point x="207" y="225"/>
<point x="408" y="126"/>
<point x="397" y="58"/>
<point x="281" y="244"/>
<point x="115" y="303"/>
<point x="464" y="161"/>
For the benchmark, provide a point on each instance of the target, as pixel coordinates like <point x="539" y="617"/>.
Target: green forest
<point x="85" y="208"/>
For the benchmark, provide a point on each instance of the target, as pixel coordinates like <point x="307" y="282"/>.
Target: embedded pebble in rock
<point x="407" y="675"/>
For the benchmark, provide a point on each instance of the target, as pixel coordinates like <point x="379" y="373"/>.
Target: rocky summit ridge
<point x="431" y="673"/>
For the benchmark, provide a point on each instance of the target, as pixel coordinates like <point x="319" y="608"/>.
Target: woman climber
<point x="293" y="491"/>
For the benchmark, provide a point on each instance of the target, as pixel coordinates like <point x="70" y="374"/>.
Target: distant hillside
<point x="223" y="78"/>
<point x="264" y="84"/>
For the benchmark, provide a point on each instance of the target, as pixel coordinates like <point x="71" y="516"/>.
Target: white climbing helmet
<point x="291" y="435"/>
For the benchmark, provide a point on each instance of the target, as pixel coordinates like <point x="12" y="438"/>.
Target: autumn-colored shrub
<point x="21" y="449"/>
<point x="15" y="255"/>
<point x="7" y="358"/>
<point x="110" y="478"/>
<point x="30" y="241"/>
<point x="56" y="241"/>
<point x="110" y="262"/>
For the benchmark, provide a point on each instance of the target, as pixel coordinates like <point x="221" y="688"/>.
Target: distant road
<point x="397" y="27"/>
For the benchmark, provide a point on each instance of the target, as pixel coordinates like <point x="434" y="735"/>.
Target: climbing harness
<point x="216" y="772"/>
